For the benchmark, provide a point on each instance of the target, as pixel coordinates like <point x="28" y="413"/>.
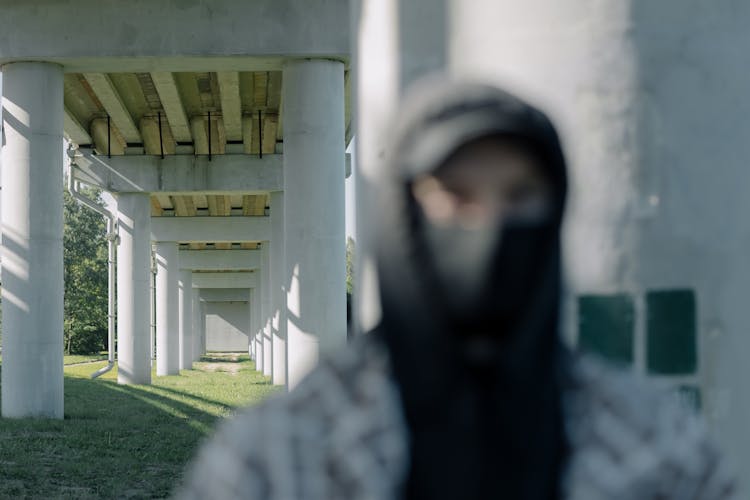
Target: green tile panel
<point x="671" y="347"/>
<point x="605" y="326"/>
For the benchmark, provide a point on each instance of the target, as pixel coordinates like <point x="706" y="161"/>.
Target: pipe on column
<point x="73" y="188"/>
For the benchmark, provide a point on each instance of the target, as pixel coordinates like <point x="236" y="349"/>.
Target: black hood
<point x="489" y="424"/>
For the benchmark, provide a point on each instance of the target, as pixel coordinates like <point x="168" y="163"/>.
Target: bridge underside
<point x="223" y="145"/>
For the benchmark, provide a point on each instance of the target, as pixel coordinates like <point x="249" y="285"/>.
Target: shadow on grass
<point x="115" y="441"/>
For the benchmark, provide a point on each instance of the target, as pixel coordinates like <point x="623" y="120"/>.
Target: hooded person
<point x="464" y="389"/>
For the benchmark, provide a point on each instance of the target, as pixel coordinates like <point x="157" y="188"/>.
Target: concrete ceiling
<point x="195" y="113"/>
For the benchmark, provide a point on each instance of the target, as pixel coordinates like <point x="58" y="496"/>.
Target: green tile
<point x="670" y="332"/>
<point x="605" y="326"/>
<point x="690" y="397"/>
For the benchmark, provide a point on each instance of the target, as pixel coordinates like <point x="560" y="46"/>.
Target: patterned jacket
<point x="340" y="435"/>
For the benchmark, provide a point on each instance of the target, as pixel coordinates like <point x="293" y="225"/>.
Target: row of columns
<point x="299" y="305"/>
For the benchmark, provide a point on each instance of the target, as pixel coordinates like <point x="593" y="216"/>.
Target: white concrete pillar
<point x="203" y="328"/>
<point x="314" y="236"/>
<point x="32" y="232"/>
<point x="133" y="287"/>
<point x="196" y="353"/>
<point x="255" y="331"/>
<point x="650" y="177"/>
<point x="265" y="310"/>
<point x="278" y="289"/>
<point x="167" y="308"/>
<point x="186" y="318"/>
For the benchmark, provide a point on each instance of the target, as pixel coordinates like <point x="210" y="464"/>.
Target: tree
<point x="85" y="262"/>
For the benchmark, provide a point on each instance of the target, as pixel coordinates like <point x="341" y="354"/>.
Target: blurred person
<point x="465" y="389"/>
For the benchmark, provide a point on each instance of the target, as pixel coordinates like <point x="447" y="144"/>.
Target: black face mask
<point x="484" y="276"/>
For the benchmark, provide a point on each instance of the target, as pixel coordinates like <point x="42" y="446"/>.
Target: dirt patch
<point x="232" y="367"/>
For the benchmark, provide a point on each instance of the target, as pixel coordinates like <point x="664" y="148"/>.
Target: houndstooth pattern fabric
<point x="340" y="435"/>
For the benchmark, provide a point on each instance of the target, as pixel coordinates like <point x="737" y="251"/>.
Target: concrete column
<point x="32" y="231"/>
<point x="186" y="318"/>
<point x="265" y="310"/>
<point x="278" y="289"/>
<point x="255" y="332"/>
<point x="133" y="284"/>
<point x="167" y="308"/>
<point x="196" y="353"/>
<point x="314" y="171"/>
<point x="203" y="328"/>
<point x="616" y="76"/>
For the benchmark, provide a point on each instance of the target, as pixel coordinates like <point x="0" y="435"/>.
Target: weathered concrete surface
<point x="224" y="174"/>
<point x="167" y="308"/>
<point x="173" y="35"/>
<point x="216" y="229"/>
<point x="313" y="116"/>
<point x="226" y="326"/>
<point x="133" y="289"/>
<point x="32" y="246"/>
<point x="278" y="291"/>
<point x="225" y="280"/>
<point x="225" y="294"/>
<point x="220" y="260"/>
<point x="653" y="107"/>
<point x="186" y="319"/>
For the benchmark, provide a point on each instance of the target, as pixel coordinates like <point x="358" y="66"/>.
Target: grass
<point x="123" y="441"/>
<point x="72" y="359"/>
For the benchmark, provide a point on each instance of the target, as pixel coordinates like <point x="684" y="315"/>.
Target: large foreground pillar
<point x="658" y="189"/>
<point x="186" y="319"/>
<point x="265" y="310"/>
<point x="133" y="288"/>
<point x="314" y="173"/>
<point x="167" y="308"/>
<point x="278" y="290"/>
<point x="32" y="231"/>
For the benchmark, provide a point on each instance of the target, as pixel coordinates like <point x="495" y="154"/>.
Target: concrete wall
<point x="653" y="109"/>
<point x="227" y="326"/>
<point x="652" y="106"/>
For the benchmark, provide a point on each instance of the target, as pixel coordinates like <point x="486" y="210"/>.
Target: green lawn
<point x="123" y="441"/>
<point x="72" y="359"/>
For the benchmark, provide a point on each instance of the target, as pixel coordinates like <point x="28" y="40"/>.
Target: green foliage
<point x="349" y="264"/>
<point x="85" y="261"/>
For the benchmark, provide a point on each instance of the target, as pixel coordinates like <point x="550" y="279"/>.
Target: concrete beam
<point x="225" y="280"/>
<point x="110" y="99"/>
<point x="155" y="140"/>
<point x="172" y="104"/>
<point x="216" y="229"/>
<point x="181" y="173"/>
<point x="74" y="131"/>
<point x="231" y="107"/>
<point x="106" y="138"/>
<point x="225" y="294"/>
<point x="143" y="36"/>
<point x="219" y="260"/>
